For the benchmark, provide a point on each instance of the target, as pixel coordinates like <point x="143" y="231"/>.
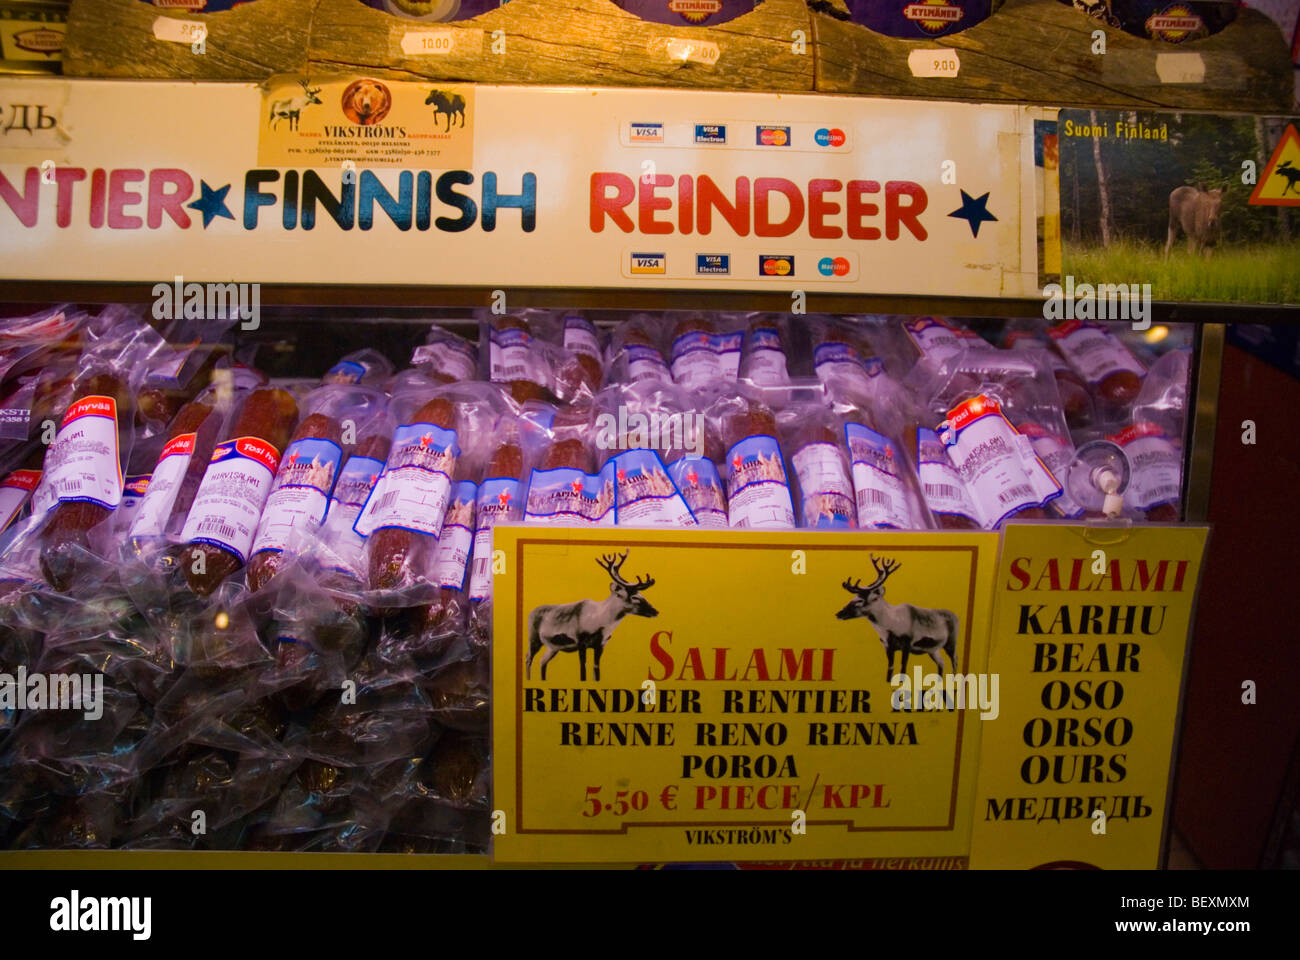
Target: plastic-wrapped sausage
<point x="222" y="522"/>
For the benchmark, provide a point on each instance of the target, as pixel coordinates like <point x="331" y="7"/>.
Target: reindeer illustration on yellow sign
<point x="902" y="626"/>
<point x="587" y="624"/>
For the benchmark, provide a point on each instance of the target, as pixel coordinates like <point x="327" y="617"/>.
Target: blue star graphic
<point x="212" y="203"/>
<point x="974" y="210"/>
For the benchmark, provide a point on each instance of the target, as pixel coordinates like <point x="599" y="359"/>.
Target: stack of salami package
<point x="274" y="598"/>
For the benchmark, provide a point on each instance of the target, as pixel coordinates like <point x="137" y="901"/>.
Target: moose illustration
<point x="452" y="104"/>
<point x="1196" y="212"/>
<point x="902" y="626"/>
<point x="1290" y="174"/>
<point x="587" y="624"/>
<point x="291" y="108"/>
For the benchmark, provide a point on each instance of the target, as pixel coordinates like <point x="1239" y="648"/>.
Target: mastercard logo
<point x="776" y="266"/>
<point x="773" y="136"/>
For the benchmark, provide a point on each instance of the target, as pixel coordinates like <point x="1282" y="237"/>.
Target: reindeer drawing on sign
<point x="587" y="624"/>
<point x="902" y="626"/>
<point x="452" y="104"/>
<point x="291" y="108"/>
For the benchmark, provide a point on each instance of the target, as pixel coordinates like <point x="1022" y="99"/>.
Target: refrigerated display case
<point x="933" y="281"/>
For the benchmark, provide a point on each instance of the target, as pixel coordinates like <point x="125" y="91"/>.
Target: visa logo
<point x="644" y="263"/>
<point x="710" y="133"/>
<point x="713" y="263"/>
<point x="647" y="133"/>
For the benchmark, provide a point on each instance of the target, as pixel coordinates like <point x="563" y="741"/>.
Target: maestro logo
<point x="830" y="137"/>
<point x="1175" y="24"/>
<point x="833" y="266"/>
<point x="770" y="136"/>
<point x="366" y="102"/>
<point x="776" y="265"/>
<point x="933" y="16"/>
<point x="710" y="133"/>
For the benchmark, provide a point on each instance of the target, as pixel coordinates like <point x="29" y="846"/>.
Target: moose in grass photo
<point x="452" y="104"/>
<point x="1195" y="211"/>
<point x="291" y="108"/>
<point x="587" y="624"/>
<point x="902" y="626"/>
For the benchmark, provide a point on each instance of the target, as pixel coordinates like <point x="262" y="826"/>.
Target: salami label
<point x="457" y="540"/>
<point x="451" y="358"/>
<point x="498" y="501"/>
<point x="645" y="363"/>
<point x="944" y="489"/>
<point x="839" y="361"/>
<point x="1057" y="453"/>
<point x="156" y="507"/>
<point x="413" y="491"/>
<point x="758" y="494"/>
<point x="566" y="495"/>
<point x="825" y="491"/>
<point x="231" y="497"/>
<point x="84" y="464"/>
<point x="513" y="356"/>
<point x="767" y="366"/>
<point x="580" y="336"/>
<point x="936" y="340"/>
<point x="15" y="490"/>
<point x="701" y="487"/>
<point x="1156" y="463"/>
<point x="878" y="487"/>
<point x="645" y="495"/>
<point x="301" y="493"/>
<point x="1092" y="351"/>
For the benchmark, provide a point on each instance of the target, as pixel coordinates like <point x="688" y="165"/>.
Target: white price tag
<point x="179" y="31"/>
<point x="934" y="63"/>
<point x="437" y="43"/>
<point x="679" y="48"/>
<point x="1180" y="67"/>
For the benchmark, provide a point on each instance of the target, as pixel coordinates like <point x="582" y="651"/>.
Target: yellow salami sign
<point x="1088" y="638"/>
<point x="726" y="696"/>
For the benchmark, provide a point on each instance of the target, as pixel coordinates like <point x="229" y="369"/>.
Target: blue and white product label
<point x="878" y="486"/>
<point x="695" y="360"/>
<point x="696" y="478"/>
<point x="231" y="497"/>
<point x="567" y="496"/>
<point x="645" y="495"/>
<point x="936" y="340"/>
<point x="454" y="359"/>
<point x="1001" y="472"/>
<point x="359" y="476"/>
<point x="301" y="493"/>
<point x="727" y="346"/>
<point x="940" y="482"/>
<point x="580" y="336"/>
<point x="498" y="501"/>
<point x="645" y="363"/>
<point x="834" y="360"/>
<point x="134" y="488"/>
<point x="1057" y="453"/>
<point x="758" y="494"/>
<point x="345" y="371"/>
<point x="457" y="540"/>
<point x="513" y="355"/>
<point x="825" y="491"/>
<point x="766" y="362"/>
<point x="413" y="492"/>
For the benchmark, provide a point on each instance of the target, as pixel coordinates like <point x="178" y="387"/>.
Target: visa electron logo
<point x="933" y="16"/>
<point x="695" y="11"/>
<point x="713" y="263"/>
<point x="768" y="136"/>
<point x="647" y="133"/>
<point x="1175" y="24"/>
<point x="833" y="137"/>
<point x="710" y="133"/>
<point x="833" y="266"/>
<point x="776" y="265"/>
